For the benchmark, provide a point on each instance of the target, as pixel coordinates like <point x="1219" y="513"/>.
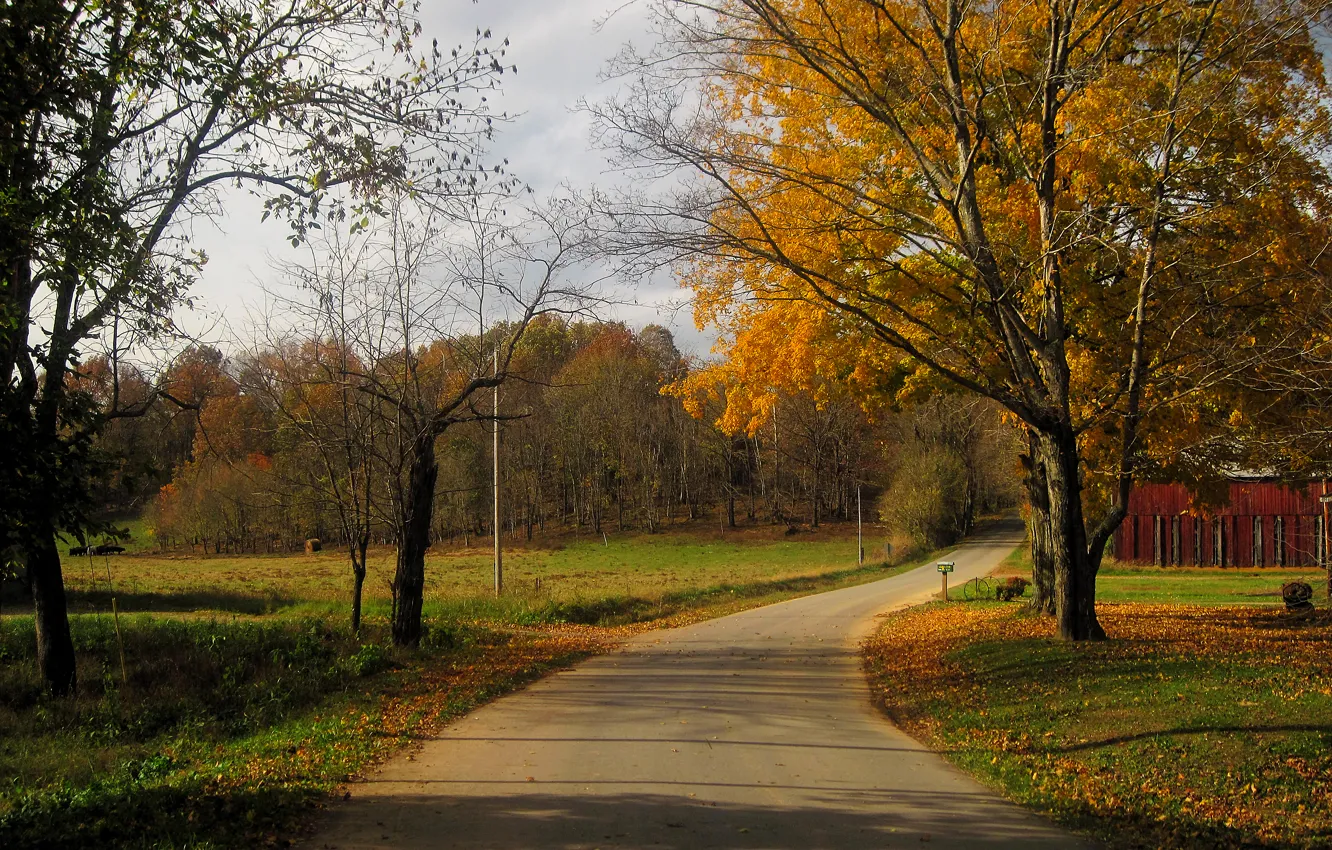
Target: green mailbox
<point x="945" y="567"/>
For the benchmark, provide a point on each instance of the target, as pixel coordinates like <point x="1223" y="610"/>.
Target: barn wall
<point x="1163" y="526"/>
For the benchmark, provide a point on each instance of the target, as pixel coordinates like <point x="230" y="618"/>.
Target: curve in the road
<point x="750" y="731"/>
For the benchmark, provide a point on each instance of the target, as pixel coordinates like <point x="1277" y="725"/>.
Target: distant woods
<point x="592" y="440"/>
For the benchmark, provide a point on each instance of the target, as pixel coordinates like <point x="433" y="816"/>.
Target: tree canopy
<point x="1088" y="212"/>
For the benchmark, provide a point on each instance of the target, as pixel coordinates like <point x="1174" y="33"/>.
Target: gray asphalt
<point x="750" y="731"/>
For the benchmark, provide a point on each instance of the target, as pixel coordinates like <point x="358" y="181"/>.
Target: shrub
<point x="927" y="499"/>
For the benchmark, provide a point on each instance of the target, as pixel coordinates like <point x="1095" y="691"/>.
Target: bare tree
<point x="425" y="313"/>
<point x="309" y="370"/>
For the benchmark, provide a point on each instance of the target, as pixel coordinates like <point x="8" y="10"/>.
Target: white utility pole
<point x="499" y="556"/>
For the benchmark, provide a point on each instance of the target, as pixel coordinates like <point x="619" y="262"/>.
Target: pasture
<point x="460" y="581"/>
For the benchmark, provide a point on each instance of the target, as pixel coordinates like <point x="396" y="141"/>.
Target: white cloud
<point x="559" y="50"/>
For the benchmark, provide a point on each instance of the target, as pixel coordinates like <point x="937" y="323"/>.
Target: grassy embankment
<point x="1205" y="721"/>
<point x="248" y="700"/>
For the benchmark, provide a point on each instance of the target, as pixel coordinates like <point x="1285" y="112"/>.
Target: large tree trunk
<point x="1074" y="570"/>
<point x="1042" y="560"/>
<point x="1039" y="530"/>
<point x="55" y="648"/>
<point x="413" y="539"/>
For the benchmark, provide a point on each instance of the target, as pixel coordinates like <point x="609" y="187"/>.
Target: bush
<point x="927" y="500"/>
<point x="368" y="660"/>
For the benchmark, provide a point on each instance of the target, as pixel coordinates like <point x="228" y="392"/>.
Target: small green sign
<point x="945" y="566"/>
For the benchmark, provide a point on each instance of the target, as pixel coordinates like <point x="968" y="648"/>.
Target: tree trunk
<point x="55" y="648"/>
<point x="730" y="509"/>
<point x="413" y="539"/>
<point x="1074" y="568"/>
<point x="814" y="497"/>
<point x="358" y="548"/>
<point x="1042" y="560"/>
<point x="1038" y="528"/>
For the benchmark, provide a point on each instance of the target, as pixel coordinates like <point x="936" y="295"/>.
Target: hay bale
<point x="313" y="545"/>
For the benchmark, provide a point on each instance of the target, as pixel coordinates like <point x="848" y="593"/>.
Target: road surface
<point x="749" y="731"/>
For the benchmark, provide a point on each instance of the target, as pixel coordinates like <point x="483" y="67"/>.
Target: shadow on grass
<point x="1137" y="829"/>
<point x="89" y="601"/>
<point x="174" y="811"/>
<point x="1256" y="729"/>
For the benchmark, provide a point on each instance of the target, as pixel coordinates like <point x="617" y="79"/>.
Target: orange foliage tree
<point x="1086" y="211"/>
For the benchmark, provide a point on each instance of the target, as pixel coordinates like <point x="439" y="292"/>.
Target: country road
<point x="750" y="731"/>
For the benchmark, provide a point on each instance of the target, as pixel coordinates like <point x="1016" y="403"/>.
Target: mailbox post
<point x="945" y="567"/>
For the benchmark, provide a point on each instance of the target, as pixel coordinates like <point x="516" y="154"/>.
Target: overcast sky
<point x="560" y="50"/>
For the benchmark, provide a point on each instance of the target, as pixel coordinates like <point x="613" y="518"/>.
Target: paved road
<point x="749" y="731"/>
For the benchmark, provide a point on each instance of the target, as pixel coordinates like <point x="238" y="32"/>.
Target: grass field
<point x="246" y="700"/>
<point x="1225" y="586"/>
<point x="461" y="581"/>
<point x="1198" y="725"/>
<point x="228" y="734"/>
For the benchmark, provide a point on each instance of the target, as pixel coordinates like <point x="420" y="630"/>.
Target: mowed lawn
<point x="1204" y="721"/>
<point x="1224" y="586"/>
<point x="637" y="565"/>
<point x="1203" y="585"/>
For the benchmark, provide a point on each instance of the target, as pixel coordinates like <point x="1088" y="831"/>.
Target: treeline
<point x="261" y="451"/>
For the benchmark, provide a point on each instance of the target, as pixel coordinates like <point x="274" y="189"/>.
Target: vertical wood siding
<point x="1154" y="509"/>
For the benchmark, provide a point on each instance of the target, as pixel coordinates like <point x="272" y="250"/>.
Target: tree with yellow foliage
<point x="1085" y="211"/>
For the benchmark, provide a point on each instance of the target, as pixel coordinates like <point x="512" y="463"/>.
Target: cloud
<point x="559" y="51"/>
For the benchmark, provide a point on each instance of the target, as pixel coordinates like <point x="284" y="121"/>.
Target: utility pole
<point x="499" y="556"/>
<point x="860" y="540"/>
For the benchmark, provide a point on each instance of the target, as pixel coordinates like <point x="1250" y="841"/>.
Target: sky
<point x="560" y="48"/>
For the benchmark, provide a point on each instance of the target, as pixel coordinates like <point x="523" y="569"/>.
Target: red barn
<point x="1265" y="524"/>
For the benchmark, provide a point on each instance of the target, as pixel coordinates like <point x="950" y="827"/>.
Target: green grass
<point x="1194" y="727"/>
<point x="626" y="609"/>
<point x="1221" y="586"/>
<point x="248" y="700"/>
<point x="569" y="571"/>
<point x="1203" y="585"/>
<point x="226" y="734"/>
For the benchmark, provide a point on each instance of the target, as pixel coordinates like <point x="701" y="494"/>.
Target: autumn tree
<point x="1064" y="207"/>
<point x="950" y="459"/>
<point x="1281" y="403"/>
<point x="299" y="435"/>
